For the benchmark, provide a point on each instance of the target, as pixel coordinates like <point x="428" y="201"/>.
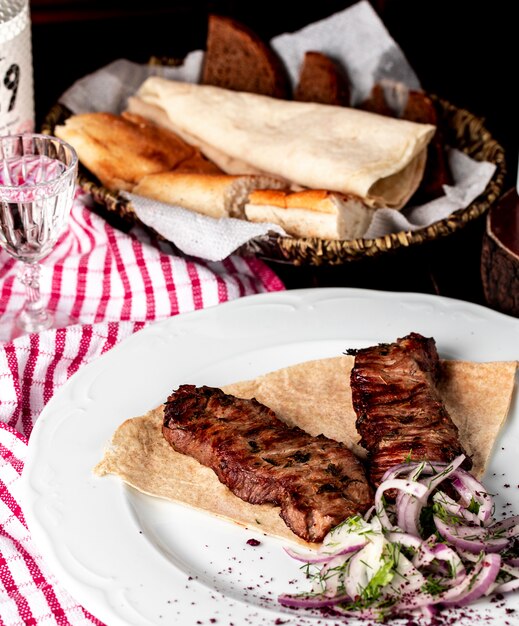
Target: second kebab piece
<point x="400" y="413"/>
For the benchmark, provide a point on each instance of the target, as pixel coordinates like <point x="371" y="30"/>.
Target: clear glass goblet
<point x="37" y="180"/>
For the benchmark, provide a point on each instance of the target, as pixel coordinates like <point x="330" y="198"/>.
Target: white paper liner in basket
<point x="358" y="39"/>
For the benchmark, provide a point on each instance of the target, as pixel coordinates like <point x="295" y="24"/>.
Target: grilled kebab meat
<point x="400" y="414"/>
<point x="316" y="481"/>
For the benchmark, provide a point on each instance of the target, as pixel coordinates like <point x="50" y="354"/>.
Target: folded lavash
<point x="319" y="146"/>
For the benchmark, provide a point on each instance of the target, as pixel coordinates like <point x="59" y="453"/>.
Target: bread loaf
<point x="416" y="106"/>
<point x="322" y="80"/>
<point x="237" y="58"/>
<point x="311" y="213"/>
<point x="210" y="194"/>
<point x="121" y="149"/>
<point x="420" y="108"/>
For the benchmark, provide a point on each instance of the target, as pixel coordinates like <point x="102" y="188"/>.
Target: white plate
<point x="133" y="559"/>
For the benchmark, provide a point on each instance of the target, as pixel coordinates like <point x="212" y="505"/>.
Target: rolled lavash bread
<point x="381" y="160"/>
<point x="121" y="149"/>
<point x="225" y="162"/>
<point x="215" y="195"/>
<point x="311" y="213"/>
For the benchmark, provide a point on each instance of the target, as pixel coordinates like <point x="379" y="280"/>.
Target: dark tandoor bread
<point x="420" y="108"/>
<point x="237" y="58"/>
<point x="322" y="80"/>
<point x="376" y="102"/>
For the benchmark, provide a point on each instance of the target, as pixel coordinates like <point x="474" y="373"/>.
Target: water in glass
<point x="37" y="179"/>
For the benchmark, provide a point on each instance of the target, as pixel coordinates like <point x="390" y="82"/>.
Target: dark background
<point x="461" y="50"/>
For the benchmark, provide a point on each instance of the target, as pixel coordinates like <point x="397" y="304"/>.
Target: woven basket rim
<point x="316" y="251"/>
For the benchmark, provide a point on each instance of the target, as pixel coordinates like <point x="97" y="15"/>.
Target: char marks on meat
<point x="400" y="414"/>
<point x="316" y="481"/>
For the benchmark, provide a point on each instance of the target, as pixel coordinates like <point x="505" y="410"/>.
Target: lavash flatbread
<point x="379" y="159"/>
<point x="159" y="116"/>
<point x="315" y="396"/>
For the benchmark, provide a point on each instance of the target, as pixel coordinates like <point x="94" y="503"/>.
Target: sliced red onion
<point x="355" y="555"/>
<point x="407" y="486"/>
<point x="369" y="513"/>
<point x="432" y="483"/>
<point x="446" y="554"/>
<point x="355" y="577"/>
<point x="471" y="588"/>
<point x="509" y="525"/>
<point x="471" y="557"/>
<point x="408" y="514"/>
<point x="409" y="509"/>
<point x="481" y="579"/>
<point x="473" y="539"/>
<point x="307" y="558"/>
<point x="510" y="569"/>
<point x="511" y="585"/>
<point x="354" y="547"/>
<point x="403" y="469"/>
<point x="431" y="551"/>
<point x="455" y="508"/>
<point x="405" y="539"/>
<point x="363" y="565"/>
<point x="409" y="468"/>
<point x="349" y="533"/>
<point x="468" y="487"/>
<point x="324" y="557"/>
<point x="412" y="601"/>
<point x="429" y="611"/>
<point x="409" y="580"/>
<point x="332" y="577"/>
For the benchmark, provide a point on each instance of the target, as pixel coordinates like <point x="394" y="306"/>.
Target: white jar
<point x="16" y="82"/>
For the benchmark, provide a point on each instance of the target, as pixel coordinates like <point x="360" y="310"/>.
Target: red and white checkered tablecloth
<point x="113" y="284"/>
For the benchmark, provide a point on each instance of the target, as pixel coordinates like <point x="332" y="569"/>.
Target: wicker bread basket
<point x="461" y="130"/>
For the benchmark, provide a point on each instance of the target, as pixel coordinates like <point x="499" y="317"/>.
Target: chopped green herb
<point x="474" y="506"/>
<point x="433" y="586"/>
<point x="446" y="516"/>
